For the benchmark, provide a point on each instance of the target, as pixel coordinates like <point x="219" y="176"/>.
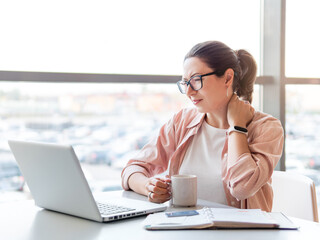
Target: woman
<point x="232" y="148"/>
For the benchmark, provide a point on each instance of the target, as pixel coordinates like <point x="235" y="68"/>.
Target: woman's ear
<point x="229" y="73"/>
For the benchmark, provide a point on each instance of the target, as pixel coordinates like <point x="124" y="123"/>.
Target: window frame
<point x="98" y="78"/>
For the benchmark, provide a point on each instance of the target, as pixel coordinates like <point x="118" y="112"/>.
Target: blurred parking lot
<point x="103" y="149"/>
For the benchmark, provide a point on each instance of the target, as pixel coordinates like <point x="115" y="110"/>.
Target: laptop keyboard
<point x="107" y="209"/>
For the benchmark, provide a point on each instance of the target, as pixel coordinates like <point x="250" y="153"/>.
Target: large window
<point x="105" y="122"/>
<point x="108" y="122"/>
<point x="123" y="36"/>
<point x="302" y="38"/>
<point x="303" y="132"/>
<point x="302" y="107"/>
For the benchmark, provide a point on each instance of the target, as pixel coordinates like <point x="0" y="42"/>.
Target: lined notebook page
<point x="237" y="215"/>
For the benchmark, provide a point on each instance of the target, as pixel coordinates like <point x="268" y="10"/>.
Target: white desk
<point x="23" y="220"/>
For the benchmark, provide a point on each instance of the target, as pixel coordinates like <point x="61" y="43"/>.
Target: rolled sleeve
<point x="127" y="172"/>
<point x="251" y="171"/>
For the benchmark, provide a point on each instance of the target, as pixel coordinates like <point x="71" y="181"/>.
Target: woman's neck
<point x="217" y="120"/>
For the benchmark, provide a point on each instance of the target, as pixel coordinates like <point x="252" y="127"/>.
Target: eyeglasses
<point x="195" y="82"/>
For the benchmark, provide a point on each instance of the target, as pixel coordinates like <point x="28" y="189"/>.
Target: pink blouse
<point x="246" y="180"/>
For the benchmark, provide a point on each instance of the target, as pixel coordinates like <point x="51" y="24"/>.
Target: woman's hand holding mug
<point x="159" y="189"/>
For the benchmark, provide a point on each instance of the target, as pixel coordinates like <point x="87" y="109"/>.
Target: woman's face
<point x="212" y="97"/>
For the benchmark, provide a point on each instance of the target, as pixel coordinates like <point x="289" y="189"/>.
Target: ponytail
<point x="243" y="82"/>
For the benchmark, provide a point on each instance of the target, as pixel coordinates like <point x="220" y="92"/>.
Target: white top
<point x="203" y="159"/>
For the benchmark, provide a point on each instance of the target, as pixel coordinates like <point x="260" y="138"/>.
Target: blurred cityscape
<point x="303" y="132"/>
<point x="107" y="128"/>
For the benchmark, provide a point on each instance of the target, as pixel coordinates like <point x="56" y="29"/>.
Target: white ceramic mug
<point x="184" y="190"/>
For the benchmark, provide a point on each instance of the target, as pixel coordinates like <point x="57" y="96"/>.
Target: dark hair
<point x="220" y="57"/>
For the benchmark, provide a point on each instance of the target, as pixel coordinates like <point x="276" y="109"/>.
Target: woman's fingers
<point x="153" y="197"/>
<point x="240" y="112"/>
<point x="159" y="183"/>
<point x="158" y="190"/>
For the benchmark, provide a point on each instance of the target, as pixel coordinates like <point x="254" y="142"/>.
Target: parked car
<point x="314" y="162"/>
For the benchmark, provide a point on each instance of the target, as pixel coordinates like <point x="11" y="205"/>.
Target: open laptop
<point x="56" y="181"/>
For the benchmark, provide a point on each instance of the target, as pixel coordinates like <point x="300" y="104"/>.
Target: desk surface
<point x="24" y="220"/>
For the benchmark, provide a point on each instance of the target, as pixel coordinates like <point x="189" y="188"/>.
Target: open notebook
<point x="218" y="218"/>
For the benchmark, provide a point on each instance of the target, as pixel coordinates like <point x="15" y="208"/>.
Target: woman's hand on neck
<point x="239" y="112"/>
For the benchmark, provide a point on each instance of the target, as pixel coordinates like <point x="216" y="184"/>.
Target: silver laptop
<point x="56" y="182"/>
